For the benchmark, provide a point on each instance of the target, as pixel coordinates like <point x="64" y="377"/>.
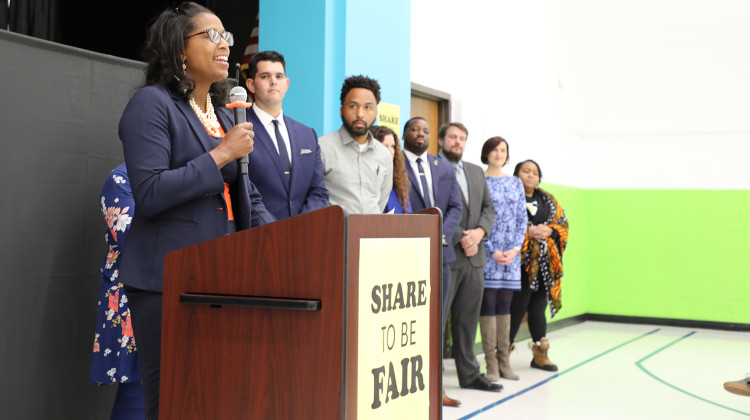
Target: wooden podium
<point x="263" y="324"/>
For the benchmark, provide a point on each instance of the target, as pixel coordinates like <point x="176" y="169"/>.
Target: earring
<point x="183" y="66"/>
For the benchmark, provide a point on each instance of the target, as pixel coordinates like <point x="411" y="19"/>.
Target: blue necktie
<point x="286" y="167"/>
<point x="425" y="188"/>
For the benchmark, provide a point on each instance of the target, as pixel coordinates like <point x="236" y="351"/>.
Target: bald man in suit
<point x="433" y="185"/>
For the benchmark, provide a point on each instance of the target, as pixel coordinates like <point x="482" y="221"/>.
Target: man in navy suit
<point x="288" y="172"/>
<point x="433" y="185"/>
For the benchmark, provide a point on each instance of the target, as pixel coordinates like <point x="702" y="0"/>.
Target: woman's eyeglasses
<point x="216" y="36"/>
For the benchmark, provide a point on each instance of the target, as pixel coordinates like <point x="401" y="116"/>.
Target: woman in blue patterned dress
<point x="115" y="358"/>
<point x="502" y="274"/>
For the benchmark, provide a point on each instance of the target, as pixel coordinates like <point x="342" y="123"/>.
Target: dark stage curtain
<point x="3" y="14"/>
<point x="37" y="18"/>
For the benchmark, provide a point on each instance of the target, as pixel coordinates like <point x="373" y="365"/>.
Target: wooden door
<point x="429" y="109"/>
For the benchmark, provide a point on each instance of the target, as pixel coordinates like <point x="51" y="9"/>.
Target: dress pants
<point x="145" y="313"/>
<point x="446" y="295"/>
<point x="465" y="301"/>
<point x="128" y="402"/>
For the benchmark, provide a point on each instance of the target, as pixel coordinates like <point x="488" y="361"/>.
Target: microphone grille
<point x="237" y="93"/>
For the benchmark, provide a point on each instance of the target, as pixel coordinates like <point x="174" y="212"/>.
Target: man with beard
<point x="358" y="169"/>
<point x="433" y="185"/>
<point x="467" y="271"/>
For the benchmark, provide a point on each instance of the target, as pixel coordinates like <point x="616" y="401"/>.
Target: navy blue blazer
<point x="447" y="195"/>
<point x="177" y="187"/>
<point x="307" y="190"/>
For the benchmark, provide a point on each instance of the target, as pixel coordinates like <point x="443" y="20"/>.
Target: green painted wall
<point x="657" y="253"/>
<point x="574" y="287"/>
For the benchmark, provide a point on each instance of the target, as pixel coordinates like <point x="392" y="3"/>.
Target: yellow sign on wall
<point x="389" y="116"/>
<point x="393" y="368"/>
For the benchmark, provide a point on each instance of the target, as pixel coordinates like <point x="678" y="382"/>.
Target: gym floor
<point x="617" y="371"/>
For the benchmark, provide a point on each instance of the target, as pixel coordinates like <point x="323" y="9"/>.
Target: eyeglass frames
<point x="216" y="36"/>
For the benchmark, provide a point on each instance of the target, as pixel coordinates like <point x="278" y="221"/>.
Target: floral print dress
<point x="508" y="230"/>
<point x="115" y="358"/>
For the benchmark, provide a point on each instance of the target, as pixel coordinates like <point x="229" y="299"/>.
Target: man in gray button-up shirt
<point x="358" y="169"/>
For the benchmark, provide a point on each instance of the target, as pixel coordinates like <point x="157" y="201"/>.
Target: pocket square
<point x="305" y="151"/>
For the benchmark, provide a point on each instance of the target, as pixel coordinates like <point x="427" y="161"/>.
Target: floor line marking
<point x="542" y="382"/>
<point x="643" y="368"/>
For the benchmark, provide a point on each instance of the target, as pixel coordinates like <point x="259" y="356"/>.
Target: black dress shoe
<point x="482" y="384"/>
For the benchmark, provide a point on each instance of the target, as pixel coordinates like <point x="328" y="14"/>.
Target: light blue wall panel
<point x="324" y="41"/>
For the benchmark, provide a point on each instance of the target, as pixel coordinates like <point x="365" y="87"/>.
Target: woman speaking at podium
<point x="180" y="150"/>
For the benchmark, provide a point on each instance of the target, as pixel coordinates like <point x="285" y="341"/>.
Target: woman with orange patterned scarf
<point x="541" y="263"/>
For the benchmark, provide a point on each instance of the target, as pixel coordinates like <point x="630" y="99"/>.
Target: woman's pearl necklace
<point x="208" y="118"/>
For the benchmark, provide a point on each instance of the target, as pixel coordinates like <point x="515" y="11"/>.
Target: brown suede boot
<point x="488" y="331"/>
<point x="502" y="322"/>
<point x="540" y="360"/>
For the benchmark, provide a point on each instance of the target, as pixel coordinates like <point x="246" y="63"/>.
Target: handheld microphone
<point x="237" y="103"/>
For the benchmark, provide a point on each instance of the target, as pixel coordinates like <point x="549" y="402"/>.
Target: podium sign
<point x="393" y="366"/>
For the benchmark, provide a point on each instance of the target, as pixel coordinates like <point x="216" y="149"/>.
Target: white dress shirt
<point x="267" y="121"/>
<point x="412" y="158"/>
